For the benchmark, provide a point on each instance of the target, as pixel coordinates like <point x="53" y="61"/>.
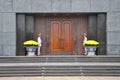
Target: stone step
<point x="61" y="69"/>
<point x="58" y="74"/>
<point x="24" y="59"/>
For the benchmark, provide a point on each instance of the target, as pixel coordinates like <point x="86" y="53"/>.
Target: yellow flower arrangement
<point x="91" y="43"/>
<point x="31" y="43"/>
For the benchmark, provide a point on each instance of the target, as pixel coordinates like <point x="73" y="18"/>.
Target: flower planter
<point x="31" y="51"/>
<point x="90" y="47"/>
<point x="91" y="51"/>
<point x="31" y="47"/>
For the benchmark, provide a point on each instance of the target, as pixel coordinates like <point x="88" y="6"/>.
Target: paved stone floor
<point x="61" y="78"/>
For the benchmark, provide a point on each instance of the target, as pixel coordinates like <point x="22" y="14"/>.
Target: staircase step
<point x="63" y="59"/>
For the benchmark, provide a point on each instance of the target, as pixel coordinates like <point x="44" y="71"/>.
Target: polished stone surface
<point x="62" y="78"/>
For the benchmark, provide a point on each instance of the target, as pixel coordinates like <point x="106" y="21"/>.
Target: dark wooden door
<point x="61" y="36"/>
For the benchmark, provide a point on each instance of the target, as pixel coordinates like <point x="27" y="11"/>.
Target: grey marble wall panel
<point x="6" y="5"/>
<point x="113" y="21"/>
<point x="113" y="37"/>
<point x="0" y="22"/>
<point x="115" y="5"/>
<point x="22" y="5"/>
<point x="7" y="38"/>
<point x="61" y="5"/>
<point x="100" y="5"/>
<point x="80" y="5"/>
<point x="9" y="50"/>
<point x="41" y="5"/>
<point x="113" y="49"/>
<point x="8" y="22"/>
<point x="1" y="50"/>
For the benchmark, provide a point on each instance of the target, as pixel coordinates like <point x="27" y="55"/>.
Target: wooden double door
<point x="61" y="35"/>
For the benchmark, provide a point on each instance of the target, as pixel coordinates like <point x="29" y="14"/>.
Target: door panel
<point x="67" y="36"/>
<point x="55" y="34"/>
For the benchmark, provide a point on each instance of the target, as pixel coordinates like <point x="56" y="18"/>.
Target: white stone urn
<point x="91" y="51"/>
<point x="31" y="51"/>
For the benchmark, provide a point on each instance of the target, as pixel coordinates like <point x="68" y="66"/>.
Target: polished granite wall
<point x="9" y="8"/>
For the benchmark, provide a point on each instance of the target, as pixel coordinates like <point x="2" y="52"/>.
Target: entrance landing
<point x="61" y="78"/>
